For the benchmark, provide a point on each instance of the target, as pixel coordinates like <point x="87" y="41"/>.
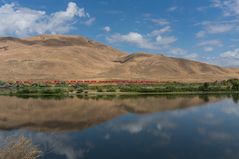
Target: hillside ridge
<point x="62" y="57"/>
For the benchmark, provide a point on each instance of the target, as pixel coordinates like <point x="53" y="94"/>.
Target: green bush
<point x="111" y="89"/>
<point x="79" y="90"/>
<point x="2" y="83"/>
<point x="99" y="89"/>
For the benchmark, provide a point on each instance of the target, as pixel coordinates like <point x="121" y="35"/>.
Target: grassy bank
<point x="65" y="88"/>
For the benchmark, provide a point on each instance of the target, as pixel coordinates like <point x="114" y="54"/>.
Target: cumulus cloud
<point x="133" y="38"/>
<point x="165" y="40"/>
<point x="21" y="21"/>
<point x="143" y="41"/>
<point x="155" y="40"/>
<point x="231" y="54"/>
<point x="107" y="29"/>
<point x="228" y="58"/>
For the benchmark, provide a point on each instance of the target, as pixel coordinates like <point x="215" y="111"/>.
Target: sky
<point x="202" y="30"/>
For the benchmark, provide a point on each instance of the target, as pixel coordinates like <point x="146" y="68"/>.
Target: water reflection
<point x="79" y="113"/>
<point x="182" y="127"/>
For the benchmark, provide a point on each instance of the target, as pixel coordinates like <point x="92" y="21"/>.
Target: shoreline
<point x="70" y="89"/>
<point x="123" y="93"/>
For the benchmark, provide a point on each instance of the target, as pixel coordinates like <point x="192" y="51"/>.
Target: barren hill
<point x="49" y="57"/>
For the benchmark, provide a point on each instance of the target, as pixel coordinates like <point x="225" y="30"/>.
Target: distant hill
<point x="49" y="57"/>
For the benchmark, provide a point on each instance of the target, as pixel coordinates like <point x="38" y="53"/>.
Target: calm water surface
<point x="172" y="127"/>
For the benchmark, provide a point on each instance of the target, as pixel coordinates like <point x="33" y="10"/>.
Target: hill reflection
<point x="78" y="113"/>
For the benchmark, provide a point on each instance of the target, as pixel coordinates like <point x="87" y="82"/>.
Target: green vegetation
<point x="65" y="89"/>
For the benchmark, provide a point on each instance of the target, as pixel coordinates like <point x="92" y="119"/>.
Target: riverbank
<point x="65" y="88"/>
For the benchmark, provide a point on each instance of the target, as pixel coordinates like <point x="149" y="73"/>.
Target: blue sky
<point x="205" y="30"/>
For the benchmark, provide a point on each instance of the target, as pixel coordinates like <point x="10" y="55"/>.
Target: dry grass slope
<point x="49" y="57"/>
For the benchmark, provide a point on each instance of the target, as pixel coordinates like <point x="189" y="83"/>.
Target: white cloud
<point x="133" y="38"/>
<point x="145" y="42"/>
<point x="159" y="38"/>
<point x="202" y="8"/>
<point x="144" y="125"/>
<point x="209" y="45"/>
<point x="107" y="29"/>
<point x="208" y="49"/>
<point x="177" y="51"/>
<point x="229" y="7"/>
<point x="192" y="56"/>
<point x="155" y="40"/>
<point x="231" y="111"/>
<point x="200" y="34"/>
<point x="229" y="58"/>
<point x="90" y="21"/>
<point x="161" y="31"/>
<point x="134" y="128"/>
<point x="233" y="54"/>
<point x="165" y="40"/>
<point x="20" y="21"/>
<point x="147" y="15"/>
<point x="219" y="28"/>
<point x="172" y="9"/>
<point x="160" y="21"/>
<point x="182" y="53"/>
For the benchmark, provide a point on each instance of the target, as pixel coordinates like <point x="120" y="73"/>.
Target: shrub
<point x="24" y="91"/>
<point x="21" y="148"/>
<point x="52" y="91"/>
<point x="111" y="89"/>
<point x="2" y="83"/>
<point x="99" y="89"/>
<point x="204" y="87"/>
<point x="83" y="86"/>
<point x="79" y="90"/>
